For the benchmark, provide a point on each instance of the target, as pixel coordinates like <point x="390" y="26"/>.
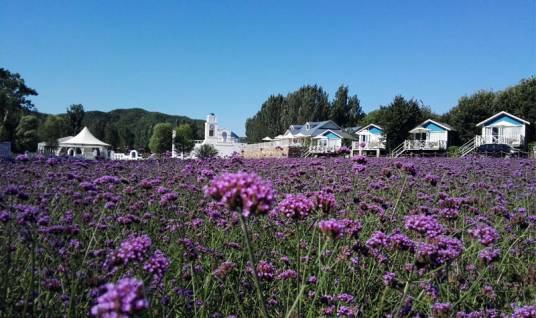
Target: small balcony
<point x="425" y="145"/>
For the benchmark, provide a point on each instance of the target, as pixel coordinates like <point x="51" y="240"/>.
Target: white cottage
<point x="371" y="138"/>
<point x="502" y="132"/>
<point x="429" y="136"/>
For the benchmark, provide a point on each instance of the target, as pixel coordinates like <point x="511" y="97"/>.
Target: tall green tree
<point x="54" y="127"/>
<point x="470" y="111"/>
<point x="184" y="138"/>
<point x="14" y="102"/>
<point x="26" y="135"/>
<point x="398" y="118"/>
<point x="161" y="139"/>
<point x="75" y="114"/>
<point x="356" y="113"/>
<point x="340" y="110"/>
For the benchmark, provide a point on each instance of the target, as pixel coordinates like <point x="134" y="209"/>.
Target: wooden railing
<point x="370" y="145"/>
<point x="425" y="145"/>
<point x="323" y="149"/>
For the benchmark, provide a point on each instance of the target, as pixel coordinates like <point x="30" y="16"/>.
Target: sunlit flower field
<point x="358" y="237"/>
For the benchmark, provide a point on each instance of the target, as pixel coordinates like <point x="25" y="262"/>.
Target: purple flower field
<point x="334" y="237"/>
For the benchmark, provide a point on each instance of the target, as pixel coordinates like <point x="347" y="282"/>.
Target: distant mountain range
<point x="132" y="128"/>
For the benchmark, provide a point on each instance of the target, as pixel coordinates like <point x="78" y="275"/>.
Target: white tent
<point x="84" y="145"/>
<point x="267" y="138"/>
<point x="84" y="138"/>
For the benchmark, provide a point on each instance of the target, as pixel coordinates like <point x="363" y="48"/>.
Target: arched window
<point x="224" y="136"/>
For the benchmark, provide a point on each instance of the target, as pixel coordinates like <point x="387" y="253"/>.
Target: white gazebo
<point x="83" y="145"/>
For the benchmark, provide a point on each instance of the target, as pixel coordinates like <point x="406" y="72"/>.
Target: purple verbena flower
<point x="242" y="191"/>
<point x="121" y="300"/>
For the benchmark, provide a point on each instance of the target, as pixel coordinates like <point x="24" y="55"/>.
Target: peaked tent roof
<point x="500" y="114"/>
<point x="84" y="138"/>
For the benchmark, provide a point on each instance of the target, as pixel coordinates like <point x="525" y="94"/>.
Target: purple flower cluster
<point x="242" y="191"/>
<point x="424" y="224"/>
<point x="133" y="249"/>
<point x="121" y="300"/>
<point x="265" y="270"/>
<point x="157" y="264"/>
<point x="332" y="228"/>
<point x="485" y="234"/>
<point x="324" y="201"/>
<point x="296" y="206"/>
<point x="489" y="254"/>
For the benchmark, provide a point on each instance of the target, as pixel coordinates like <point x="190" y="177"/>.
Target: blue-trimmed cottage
<point x="501" y="133"/>
<point x="371" y="138"/>
<point x="428" y="137"/>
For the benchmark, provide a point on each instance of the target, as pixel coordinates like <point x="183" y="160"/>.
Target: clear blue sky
<point x="195" y="57"/>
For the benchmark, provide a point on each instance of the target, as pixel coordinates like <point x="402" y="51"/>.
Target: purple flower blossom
<point x="242" y="191"/>
<point x="157" y="264"/>
<point x="296" y="206"/>
<point x="287" y="274"/>
<point x="440" y="310"/>
<point x="265" y="270"/>
<point x="377" y="240"/>
<point x="133" y="249"/>
<point x="121" y="300"/>
<point x="332" y="228"/>
<point x="389" y="278"/>
<point x="528" y="311"/>
<point x="485" y="234"/>
<point x="488" y="255"/>
<point x="424" y="224"/>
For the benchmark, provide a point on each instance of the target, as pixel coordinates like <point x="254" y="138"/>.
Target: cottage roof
<point x="442" y="125"/>
<point x="501" y="114"/>
<point x="368" y="126"/>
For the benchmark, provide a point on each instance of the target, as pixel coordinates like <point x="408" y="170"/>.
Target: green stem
<point x="253" y="266"/>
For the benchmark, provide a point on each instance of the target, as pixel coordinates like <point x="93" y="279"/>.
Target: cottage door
<point x="495" y="134"/>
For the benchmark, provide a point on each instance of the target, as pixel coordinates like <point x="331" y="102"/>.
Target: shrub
<point x="206" y="151"/>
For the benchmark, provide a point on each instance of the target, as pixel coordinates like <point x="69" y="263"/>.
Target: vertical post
<point x="173" y="150"/>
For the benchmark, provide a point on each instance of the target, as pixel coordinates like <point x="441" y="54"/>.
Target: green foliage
<point x="75" y="116"/>
<point x="345" y="111"/>
<point x="26" y="133"/>
<point x="160" y="141"/>
<point x="14" y="102"/>
<point x="127" y="129"/>
<point x="470" y="111"/>
<point x="453" y="151"/>
<point x="184" y="139"/>
<point x="206" y="151"/>
<point x="399" y="117"/>
<point x="54" y="127"/>
<point x="309" y="103"/>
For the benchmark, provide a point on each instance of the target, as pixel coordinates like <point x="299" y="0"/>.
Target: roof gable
<point x="433" y="125"/>
<point x="503" y="116"/>
<point x="371" y="128"/>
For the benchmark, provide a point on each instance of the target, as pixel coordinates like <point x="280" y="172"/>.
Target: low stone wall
<point x="272" y="152"/>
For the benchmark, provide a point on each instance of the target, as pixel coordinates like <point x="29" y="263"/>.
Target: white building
<point x="502" y="132"/>
<point x="371" y="139"/>
<point x="223" y="139"/>
<point x="428" y="137"/>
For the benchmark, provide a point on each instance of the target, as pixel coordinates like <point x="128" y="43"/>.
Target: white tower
<point x="211" y="127"/>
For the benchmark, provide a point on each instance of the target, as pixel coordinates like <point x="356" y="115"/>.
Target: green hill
<point x="132" y="128"/>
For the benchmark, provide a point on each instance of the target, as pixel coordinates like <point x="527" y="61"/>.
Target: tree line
<point x="311" y="103"/>
<point x="124" y="129"/>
